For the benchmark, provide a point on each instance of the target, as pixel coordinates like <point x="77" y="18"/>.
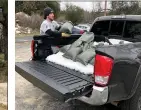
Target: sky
<point x="85" y="5"/>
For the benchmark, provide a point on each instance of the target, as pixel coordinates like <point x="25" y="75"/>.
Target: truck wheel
<point x="133" y="103"/>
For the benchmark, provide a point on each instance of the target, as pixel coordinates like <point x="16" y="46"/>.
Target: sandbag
<point x="92" y="61"/>
<point x="87" y="37"/>
<point x="86" y="56"/>
<point x="80" y="45"/>
<point x="66" y="27"/>
<point x="72" y="53"/>
<point x="87" y="46"/>
<point x="64" y="48"/>
<point x="85" y="41"/>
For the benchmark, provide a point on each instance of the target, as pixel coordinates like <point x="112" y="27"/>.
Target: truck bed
<point x="58" y="81"/>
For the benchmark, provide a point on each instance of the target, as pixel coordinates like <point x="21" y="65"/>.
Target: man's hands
<point x="65" y="35"/>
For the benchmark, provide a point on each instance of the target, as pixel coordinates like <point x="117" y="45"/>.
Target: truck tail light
<point x="32" y="47"/>
<point x="102" y="69"/>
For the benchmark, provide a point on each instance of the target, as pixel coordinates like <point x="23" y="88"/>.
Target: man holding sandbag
<point x="49" y="26"/>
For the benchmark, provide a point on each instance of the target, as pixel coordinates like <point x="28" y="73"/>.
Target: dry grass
<point x="3" y="69"/>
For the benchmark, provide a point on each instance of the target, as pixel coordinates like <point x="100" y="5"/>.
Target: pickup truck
<point x="117" y="68"/>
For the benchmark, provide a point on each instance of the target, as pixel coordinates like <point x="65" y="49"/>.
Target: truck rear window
<point x="101" y="28"/>
<point x="132" y="30"/>
<point x="118" y="29"/>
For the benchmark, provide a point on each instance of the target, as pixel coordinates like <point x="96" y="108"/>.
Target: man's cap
<point x="47" y="11"/>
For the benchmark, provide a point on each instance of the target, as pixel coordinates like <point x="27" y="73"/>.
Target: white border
<point x="79" y="0"/>
<point x="11" y="54"/>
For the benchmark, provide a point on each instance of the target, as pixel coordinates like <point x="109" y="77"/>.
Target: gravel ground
<point x="3" y="96"/>
<point x="3" y="93"/>
<point x="29" y="97"/>
<point x="1" y="108"/>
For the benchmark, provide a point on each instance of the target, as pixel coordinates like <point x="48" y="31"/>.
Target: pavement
<point x="29" y="97"/>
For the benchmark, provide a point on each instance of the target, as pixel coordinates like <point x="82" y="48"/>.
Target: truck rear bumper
<point x="99" y="96"/>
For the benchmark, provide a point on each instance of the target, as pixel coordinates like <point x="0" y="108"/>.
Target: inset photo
<point x="78" y="55"/>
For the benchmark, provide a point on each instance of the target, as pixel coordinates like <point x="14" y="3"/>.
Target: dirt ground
<point x="2" y="108"/>
<point x="29" y="97"/>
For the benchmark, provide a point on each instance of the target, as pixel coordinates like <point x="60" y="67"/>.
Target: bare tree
<point x="98" y="6"/>
<point x="74" y="13"/>
<point x="125" y="7"/>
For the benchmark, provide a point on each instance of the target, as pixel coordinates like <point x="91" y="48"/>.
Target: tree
<point x="74" y="13"/>
<point x="87" y="17"/>
<point x="30" y="7"/>
<point x="4" y="5"/>
<point x="96" y="10"/>
<point x="124" y="7"/>
<point x="99" y="8"/>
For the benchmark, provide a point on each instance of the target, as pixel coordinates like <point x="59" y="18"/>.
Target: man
<point x="49" y="26"/>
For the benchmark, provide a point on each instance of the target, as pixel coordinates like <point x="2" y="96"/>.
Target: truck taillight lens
<point x="32" y="47"/>
<point x="102" y="69"/>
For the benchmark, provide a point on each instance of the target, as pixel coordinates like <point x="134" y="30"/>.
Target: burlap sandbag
<point x="86" y="56"/>
<point x="64" y="48"/>
<point x="92" y="61"/>
<point x="80" y="45"/>
<point x="66" y="27"/>
<point x="72" y="53"/>
<point x="87" y="37"/>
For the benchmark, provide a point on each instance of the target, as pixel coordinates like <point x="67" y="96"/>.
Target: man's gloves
<point x="65" y="35"/>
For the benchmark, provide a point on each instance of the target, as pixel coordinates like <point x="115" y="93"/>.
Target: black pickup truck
<point x="117" y="68"/>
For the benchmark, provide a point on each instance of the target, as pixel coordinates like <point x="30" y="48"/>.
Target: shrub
<point x="34" y="21"/>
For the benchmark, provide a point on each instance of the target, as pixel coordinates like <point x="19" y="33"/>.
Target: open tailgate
<point x="60" y="82"/>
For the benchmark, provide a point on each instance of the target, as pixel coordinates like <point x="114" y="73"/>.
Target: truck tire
<point x="133" y="103"/>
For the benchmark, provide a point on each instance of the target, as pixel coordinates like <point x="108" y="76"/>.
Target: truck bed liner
<point x="56" y="80"/>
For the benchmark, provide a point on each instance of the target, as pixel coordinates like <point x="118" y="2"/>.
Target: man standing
<point x="49" y="26"/>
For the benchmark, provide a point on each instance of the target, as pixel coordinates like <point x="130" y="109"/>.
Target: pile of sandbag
<point x="81" y="50"/>
<point x="68" y="63"/>
<point x="80" y="55"/>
